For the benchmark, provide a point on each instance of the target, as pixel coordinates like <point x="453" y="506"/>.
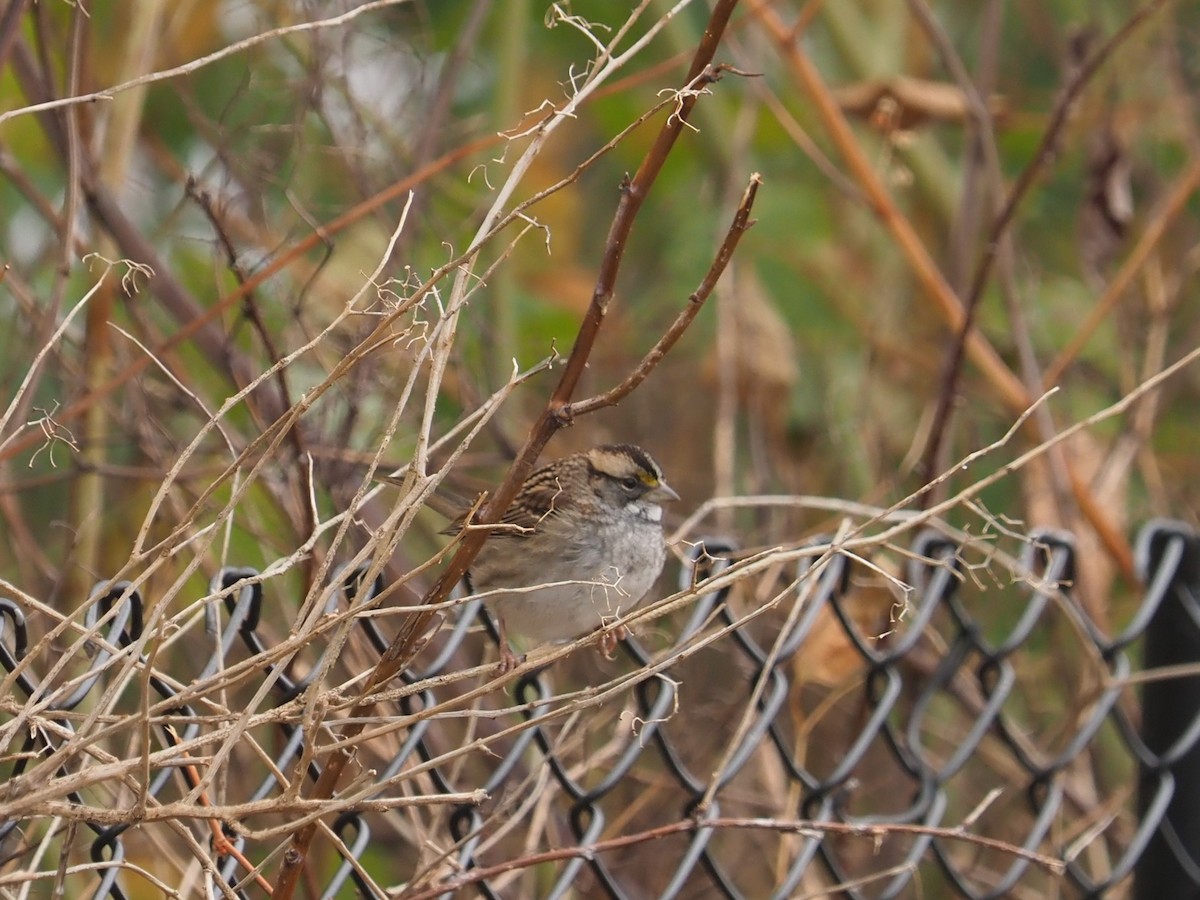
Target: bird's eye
<point x="629" y="483"/>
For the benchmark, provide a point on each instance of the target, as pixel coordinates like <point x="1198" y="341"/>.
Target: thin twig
<point x="399" y="653"/>
<point x="741" y="223"/>
<point x="877" y="197"/>
<point x="804" y="827"/>
<point x="282" y="261"/>
<point x="199" y="63"/>
<point x="952" y="368"/>
<point x="1174" y="204"/>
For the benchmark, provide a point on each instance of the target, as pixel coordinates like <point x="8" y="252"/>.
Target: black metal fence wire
<point x="1012" y="718"/>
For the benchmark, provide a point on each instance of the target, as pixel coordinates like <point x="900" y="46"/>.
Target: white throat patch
<point x="648" y="511"/>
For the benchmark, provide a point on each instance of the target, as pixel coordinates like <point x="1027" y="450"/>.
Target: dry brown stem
<point x="876" y="833"/>
<point x="1051" y="135"/>
<point x="400" y="652"/>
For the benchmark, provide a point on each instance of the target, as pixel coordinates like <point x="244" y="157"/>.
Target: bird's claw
<point x="610" y="638"/>
<point x="508" y="661"/>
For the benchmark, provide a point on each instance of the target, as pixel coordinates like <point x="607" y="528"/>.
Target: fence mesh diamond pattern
<point x="975" y="734"/>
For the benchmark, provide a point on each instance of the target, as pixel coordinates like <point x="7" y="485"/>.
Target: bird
<point x="580" y="544"/>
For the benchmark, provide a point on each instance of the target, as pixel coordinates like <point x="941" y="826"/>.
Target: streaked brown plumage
<point x="586" y="546"/>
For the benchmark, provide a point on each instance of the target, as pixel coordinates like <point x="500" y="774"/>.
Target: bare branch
<point x="804" y="827"/>
<point x="399" y="653"/>
<point x="741" y="222"/>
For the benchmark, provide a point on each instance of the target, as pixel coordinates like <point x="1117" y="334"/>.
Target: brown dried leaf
<point x="903" y="103"/>
<point x="765" y="354"/>
<point x="829" y="656"/>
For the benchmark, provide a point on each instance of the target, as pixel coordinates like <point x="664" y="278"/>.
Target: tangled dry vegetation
<point x="884" y="250"/>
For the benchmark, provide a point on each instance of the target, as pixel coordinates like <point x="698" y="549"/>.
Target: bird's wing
<point x="542" y="497"/>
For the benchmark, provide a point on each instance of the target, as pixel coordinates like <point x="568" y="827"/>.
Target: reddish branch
<point x="10" y="27"/>
<point x="690" y="826"/>
<point x="194" y="327"/>
<point x="952" y="370"/>
<point x="741" y="222"/>
<point x="555" y="416"/>
<point x="250" y="309"/>
<point x="1014" y="392"/>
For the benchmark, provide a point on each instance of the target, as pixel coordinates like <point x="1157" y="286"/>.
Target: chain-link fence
<point x="974" y="734"/>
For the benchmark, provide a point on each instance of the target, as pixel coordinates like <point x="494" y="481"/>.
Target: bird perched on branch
<point x="581" y="544"/>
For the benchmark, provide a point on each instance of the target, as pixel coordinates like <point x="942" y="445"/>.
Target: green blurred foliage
<point x="284" y="137"/>
<point x="288" y="134"/>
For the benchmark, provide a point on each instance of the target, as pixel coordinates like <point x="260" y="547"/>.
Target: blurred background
<point x="817" y="368"/>
<point x="1031" y="164"/>
<point x="819" y="365"/>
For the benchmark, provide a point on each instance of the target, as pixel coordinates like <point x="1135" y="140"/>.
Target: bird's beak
<point x="663" y="493"/>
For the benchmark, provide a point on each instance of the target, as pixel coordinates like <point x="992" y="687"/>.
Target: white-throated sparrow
<point x="586" y="544"/>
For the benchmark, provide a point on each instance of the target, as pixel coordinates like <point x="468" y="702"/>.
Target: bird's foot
<point x="508" y="660"/>
<point x="610" y="638"/>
